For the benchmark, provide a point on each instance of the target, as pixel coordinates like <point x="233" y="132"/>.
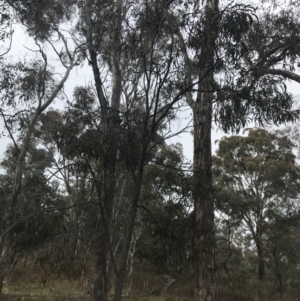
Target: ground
<point x="33" y="284"/>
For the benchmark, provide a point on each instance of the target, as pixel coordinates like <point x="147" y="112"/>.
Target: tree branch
<point x="288" y="74"/>
<point x="187" y="63"/>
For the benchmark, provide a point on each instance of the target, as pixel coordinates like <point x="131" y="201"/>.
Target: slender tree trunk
<point x="110" y="129"/>
<point x="206" y="287"/>
<point x="278" y="274"/>
<point x="260" y="252"/>
<point x="100" y="281"/>
<point x="121" y="275"/>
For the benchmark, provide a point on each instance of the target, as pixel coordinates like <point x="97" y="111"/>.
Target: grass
<point x="31" y="284"/>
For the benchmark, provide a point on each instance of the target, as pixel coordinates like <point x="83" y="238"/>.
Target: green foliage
<point x="165" y="218"/>
<point x="257" y="183"/>
<point x="36" y="194"/>
<point x="42" y="17"/>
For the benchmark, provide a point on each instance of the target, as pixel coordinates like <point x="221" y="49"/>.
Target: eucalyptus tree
<point x="282" y="244"/>
<point x="231" y="76"/>
<point x="78" y="137"/>
<point x="135" y="84"/>
<point x="145" y="59"/>
<point x="257" y="178"/>
<point x="27" y="90"/>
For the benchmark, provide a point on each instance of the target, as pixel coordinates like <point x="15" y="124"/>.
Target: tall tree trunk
<point x="100" y="282"/>
<point x="110" y="129"/>
<point x="204" y="236"/>
<point x="102" y="238"/>
<point x="206" y="287"/>
<point x="260" y="251"/>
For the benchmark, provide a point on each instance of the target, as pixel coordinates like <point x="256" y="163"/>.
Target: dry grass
<point x="30" y="284"/>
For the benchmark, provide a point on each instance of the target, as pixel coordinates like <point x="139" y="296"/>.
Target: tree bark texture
<point x="102" y="234"/>
<point x="100" y="282"/>
<point x="206" y="287"/>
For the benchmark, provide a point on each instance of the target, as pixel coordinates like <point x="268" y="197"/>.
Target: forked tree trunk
<point x="206" y="287"/>
<point x="110" y="128"/>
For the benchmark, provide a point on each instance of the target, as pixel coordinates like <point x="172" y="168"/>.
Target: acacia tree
<point x="257" y="178"/>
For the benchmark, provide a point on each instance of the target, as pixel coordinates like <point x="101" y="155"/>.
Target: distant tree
<point x="165" y="215"/>
<point x="256" y="177"/>
<point x="32" y="232"/>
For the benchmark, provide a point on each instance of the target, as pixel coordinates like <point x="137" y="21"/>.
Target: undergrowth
<point x="34" y="284"/>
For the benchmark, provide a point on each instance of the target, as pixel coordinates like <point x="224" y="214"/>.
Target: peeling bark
<point x="206" y="287"/>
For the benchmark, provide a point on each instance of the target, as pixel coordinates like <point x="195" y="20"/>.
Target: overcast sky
<point x="81" y="76"/>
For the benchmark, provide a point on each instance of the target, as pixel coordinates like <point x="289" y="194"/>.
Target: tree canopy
<point x="101" y="164"/>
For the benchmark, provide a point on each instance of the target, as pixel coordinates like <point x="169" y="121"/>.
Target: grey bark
<point x="206" y="286"/>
